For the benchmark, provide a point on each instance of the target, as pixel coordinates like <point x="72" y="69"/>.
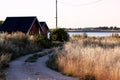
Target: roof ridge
<point x="21" y="16"/>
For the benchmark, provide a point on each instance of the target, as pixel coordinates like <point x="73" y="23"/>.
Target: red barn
<point x="27" y="25"/>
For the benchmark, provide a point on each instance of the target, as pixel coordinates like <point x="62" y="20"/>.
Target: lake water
<point x="100" y="34"/>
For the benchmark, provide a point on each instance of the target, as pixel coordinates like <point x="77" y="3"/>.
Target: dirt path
<point x="20" y="70"/>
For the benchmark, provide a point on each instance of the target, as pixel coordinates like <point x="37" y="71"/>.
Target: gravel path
<point x="20" y="70"/>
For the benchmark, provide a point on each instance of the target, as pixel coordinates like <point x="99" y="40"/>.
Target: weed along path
<point x="21" y="70"/>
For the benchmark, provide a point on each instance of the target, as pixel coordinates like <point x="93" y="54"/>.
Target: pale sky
<point x="71" y="13"/>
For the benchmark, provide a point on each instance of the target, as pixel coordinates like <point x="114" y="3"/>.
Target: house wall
<point x="35" y="28"/>
<point x="45" y="30"/>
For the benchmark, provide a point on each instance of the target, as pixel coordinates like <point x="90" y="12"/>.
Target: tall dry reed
<point x="95" y="58"/>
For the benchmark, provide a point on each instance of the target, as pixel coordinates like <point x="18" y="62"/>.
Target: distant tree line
<point x="108" y="28"/>
<point x="95" y="28"/>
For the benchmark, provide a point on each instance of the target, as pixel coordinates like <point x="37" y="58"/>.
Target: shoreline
<point x="93" y="30"/>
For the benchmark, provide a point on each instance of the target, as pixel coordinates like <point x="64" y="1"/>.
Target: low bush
<point x="46" y="43"/>
<point x="59" y="34"/>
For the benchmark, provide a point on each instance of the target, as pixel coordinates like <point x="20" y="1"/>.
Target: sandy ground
<point x="21" y="70"/>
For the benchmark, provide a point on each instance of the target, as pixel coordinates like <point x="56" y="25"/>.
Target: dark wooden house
<point x="27" y="25"/>
<point x="44" y="27"/>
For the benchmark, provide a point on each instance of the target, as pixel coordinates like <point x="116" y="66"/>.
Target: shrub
<point x="43" y="41"/>
<point x="59" y="34"/>
<point x="46" y="43"/>
<point x="40" y="37"/>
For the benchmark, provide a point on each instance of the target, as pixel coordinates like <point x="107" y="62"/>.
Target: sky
<point x="71" y="13"/>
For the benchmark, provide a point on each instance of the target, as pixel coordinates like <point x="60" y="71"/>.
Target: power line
<point x="81" y="4"/>
<point x="70" y="4"/>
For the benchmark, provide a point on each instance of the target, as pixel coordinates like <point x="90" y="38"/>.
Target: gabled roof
<point x="18" y="24"/>
<point x="43" y="24"/>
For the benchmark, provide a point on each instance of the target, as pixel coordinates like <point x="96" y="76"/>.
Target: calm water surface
<point x="100" y="34"/>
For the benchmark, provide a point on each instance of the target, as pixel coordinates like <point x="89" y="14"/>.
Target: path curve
<point x="20" y="70"/>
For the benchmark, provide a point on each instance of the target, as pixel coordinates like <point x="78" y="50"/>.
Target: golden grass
<point x="96" y="57"/>
<point x="19" y="42"/>
<point x="4" y="59"/>
<point x="15" y="45"/>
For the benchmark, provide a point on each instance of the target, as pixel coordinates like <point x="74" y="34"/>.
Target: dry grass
<point x="19" y="43"/>
<point x="15" y="45"/>
<point x="4" y="59"/>
<point x="90" y="58"/>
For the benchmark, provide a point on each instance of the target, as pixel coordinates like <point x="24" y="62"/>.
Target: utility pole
<point x="56" y="14"/>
